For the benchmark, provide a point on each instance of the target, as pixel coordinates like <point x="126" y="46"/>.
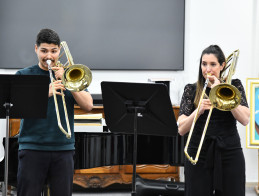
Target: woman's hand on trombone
<point x="213" y="81"/>
<point x="185" y="122"/>
<point x="205" y="105"/>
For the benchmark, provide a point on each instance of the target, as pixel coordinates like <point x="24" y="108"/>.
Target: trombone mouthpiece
<point x="48" y="62"/>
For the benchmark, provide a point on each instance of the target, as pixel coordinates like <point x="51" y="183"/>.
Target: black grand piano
<point x="107" y="149"/>
<point x="104" y="149"/>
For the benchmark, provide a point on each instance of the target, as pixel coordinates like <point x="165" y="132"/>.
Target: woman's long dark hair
<point x="212" y="49"/>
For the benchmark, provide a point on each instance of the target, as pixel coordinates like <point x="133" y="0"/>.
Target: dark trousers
<point x="199" y="179"/>
<point x="37" y="168"/>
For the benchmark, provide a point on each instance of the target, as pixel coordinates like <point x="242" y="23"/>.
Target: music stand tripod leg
<point x="135" y="142"/>
<point x="5" y="189"/>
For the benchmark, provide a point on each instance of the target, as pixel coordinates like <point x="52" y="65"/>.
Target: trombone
<point x="76" y="77"/>
<point x="224" y="97"/>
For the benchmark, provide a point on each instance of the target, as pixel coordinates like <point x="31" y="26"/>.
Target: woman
<point x="220" y="169"/>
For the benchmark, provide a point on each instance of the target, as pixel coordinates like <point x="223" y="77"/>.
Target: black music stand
<point x="138" y="108"/>
<point x="21" y="96"/>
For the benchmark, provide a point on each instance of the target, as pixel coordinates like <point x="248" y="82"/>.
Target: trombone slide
<point x="194" y="161"/>
<point x="68" y="133"/>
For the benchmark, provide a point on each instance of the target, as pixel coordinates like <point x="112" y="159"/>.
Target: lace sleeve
<point x="237" y="83"/>
<point x="187" y="106"/>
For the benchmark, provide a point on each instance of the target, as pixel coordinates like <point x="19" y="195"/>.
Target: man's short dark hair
<point x="48" y="36"/>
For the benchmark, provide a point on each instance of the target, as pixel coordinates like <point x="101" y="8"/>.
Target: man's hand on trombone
<point x="59" y="71"/>
<point x="58" y="86"/>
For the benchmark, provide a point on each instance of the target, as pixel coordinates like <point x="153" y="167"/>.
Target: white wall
<point x="231" y="24"/>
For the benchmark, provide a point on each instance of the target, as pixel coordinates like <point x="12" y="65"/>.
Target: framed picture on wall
<point x="252" y="129"/>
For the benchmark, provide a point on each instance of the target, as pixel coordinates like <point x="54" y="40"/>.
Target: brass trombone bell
<point x="77" y="77"/>
<point x="225" y="97"/>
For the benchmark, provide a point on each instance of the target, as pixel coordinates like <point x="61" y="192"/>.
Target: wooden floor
<point x="250" y="191"/>
<point x="103" y="194"/>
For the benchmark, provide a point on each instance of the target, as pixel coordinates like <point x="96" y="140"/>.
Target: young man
<point x="45" y="154"/>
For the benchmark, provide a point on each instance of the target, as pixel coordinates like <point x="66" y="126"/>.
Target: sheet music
<point x="89" y="125"/>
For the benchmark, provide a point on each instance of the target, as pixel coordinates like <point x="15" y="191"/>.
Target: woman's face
<point x="210" y="65"/>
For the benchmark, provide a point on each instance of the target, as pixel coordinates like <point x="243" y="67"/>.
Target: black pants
<point x="199" y="179"/>
<point x="39" y="167"/>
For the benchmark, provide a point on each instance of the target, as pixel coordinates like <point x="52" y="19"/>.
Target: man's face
<point x="47" y="52"/>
